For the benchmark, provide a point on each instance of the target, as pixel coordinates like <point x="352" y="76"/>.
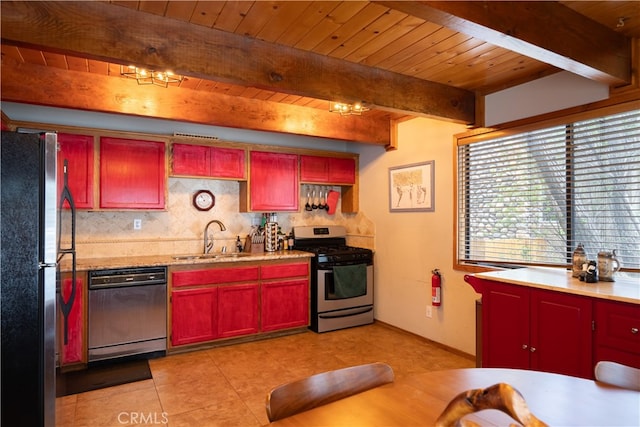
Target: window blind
<point x="530" y="198"/>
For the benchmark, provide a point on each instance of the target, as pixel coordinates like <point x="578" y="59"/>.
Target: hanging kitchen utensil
<point x="314" y="204"/>
<point x="332" y="201"/>
<point x="326" y="200"/>
<point x="322" y="204"/>
<point x="307" y="206"/>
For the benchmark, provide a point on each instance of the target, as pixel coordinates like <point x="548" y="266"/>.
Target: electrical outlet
<point x="137" y="224"/>
<point x="429" y="312"/>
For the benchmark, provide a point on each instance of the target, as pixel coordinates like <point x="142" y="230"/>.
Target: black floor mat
<point x="101" y="376"/>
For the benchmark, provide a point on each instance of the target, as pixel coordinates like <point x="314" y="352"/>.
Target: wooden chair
<point x="316" y="390"/>
<point x="617" y="374"/>
<point x="500" y="396"/>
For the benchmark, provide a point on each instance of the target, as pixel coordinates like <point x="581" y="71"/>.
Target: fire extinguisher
<point x="436" y="287"/>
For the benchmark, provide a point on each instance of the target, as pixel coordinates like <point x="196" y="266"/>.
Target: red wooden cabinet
<point x="218" y="301"/>
<point x="285" y="302"/>
<point x="536" y="329"/>
<point x="190" y="160"/>
<point x="274" y="182"/>
<point x="132" y="174"/>
<point x="74" y="350"/>
<point x="78" y="151"/>
<point x="505" y="320"/>
<point x="617" y="332"/>
<point x="327" y="170"/>
<point x="213" y="162"/>
<point x="212" y="276"/>
<point x="193" y="315"/>
<point x="238" y="310"/>
<point x="561" y="339"/>
<point x="230" y="301"/>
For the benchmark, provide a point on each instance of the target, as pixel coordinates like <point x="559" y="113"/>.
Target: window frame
<point x="483" y="134"/>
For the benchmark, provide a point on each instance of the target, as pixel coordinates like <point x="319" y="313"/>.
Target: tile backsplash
<point x="180" y="229"/>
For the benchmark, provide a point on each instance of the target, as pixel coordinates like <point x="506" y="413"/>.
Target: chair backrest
<point x="320" y="389"/>
<point x="617" y="374"/>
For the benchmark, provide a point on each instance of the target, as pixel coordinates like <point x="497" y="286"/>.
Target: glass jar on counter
<point x="578" y="259"/>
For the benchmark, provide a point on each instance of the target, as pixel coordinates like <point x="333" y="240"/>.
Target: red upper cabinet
<point x="274" y="182"/>
<point x="132" y="174"/>
<point x="228" y="163"/>
<point x="190" y="160"/>
<point x="214" y="162"/>
<point x="327" y="170"/>
<point x="78" y="151"/>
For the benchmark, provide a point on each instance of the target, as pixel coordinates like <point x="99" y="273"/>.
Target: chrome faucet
<point x="208" y="238"/>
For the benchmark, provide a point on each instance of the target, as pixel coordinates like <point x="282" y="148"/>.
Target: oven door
<point x="329" y="299"/>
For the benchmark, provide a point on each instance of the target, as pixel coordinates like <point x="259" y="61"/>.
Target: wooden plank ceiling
<point x="275" y="65"/>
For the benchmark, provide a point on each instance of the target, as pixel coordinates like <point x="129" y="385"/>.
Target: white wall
<point x="551" y="93"/>
<point x="409" y="245"/>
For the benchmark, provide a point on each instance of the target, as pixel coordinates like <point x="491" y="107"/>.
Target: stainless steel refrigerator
<point x="28" y="294"/>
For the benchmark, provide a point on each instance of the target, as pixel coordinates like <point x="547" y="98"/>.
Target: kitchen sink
<point x="216" y="255"/>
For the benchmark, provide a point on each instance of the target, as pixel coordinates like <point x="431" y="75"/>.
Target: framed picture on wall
<point x="411" y="187"/>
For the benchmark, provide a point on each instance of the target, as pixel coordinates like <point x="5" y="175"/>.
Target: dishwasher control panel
<point x="127" y="277"/>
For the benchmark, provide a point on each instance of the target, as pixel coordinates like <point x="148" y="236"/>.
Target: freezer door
<point x="28" y="286"/>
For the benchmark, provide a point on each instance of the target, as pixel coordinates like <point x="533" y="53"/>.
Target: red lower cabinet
<point x="285" y="304"/>
<point x="536" y="329"/>
<point x="232" y="300"/>
<point x="561" y="333"/>
<point x="617" y="332"/>
<point x="505" y="333"/>
<point x="73" y="350"/>
<point x="193" y="315"/>
<point x="237" y="310"/>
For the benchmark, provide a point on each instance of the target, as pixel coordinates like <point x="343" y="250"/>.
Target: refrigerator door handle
<point x="66" y="306"/>
<point x="46" y="264"/>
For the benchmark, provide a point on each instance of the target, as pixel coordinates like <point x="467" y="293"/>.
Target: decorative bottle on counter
<point x="578" y="260"/>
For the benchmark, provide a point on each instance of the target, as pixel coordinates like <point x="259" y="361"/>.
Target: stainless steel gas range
<point x="341" y="278"/>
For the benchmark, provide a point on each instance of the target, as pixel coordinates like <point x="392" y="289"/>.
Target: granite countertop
<point x="624" y="289"/>
<point x="83" y="264"/>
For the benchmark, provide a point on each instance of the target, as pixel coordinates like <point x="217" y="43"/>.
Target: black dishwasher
<point x="127" y="312"/>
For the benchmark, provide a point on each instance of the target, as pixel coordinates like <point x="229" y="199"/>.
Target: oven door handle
<point x="350" y="313"/>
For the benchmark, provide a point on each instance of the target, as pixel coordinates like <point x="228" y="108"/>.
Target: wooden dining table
<point x="418" y="399"/>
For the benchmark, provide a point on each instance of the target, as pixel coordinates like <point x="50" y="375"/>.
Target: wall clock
<point x="203" y="200"/>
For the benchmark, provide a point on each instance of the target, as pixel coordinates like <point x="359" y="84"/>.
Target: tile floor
<point x="227" y="386"/>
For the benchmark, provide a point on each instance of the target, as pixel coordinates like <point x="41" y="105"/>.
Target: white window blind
<point x="531" y="198"/>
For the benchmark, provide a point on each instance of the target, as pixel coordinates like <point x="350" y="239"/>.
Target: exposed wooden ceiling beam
<point x="116" y="34"/>
<point x="544" y="30"/>
<point x="35" y="84"/>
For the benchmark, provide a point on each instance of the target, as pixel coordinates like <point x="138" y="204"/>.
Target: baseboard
<point x="427" y="340"/>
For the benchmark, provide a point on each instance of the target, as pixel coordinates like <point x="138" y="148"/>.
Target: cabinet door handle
<point x="634" y="330"/>
<point x="524" y="346"/>
<point x="532" y="349"/>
